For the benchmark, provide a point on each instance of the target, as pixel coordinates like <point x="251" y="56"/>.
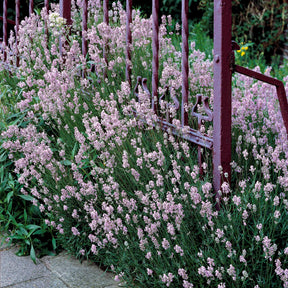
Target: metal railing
<point x="223" y="68"/>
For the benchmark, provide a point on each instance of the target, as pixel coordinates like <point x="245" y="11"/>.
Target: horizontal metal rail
<point x="281" y="93"/>
<point x="192" y="135"/>
<point x="9" y="21"/>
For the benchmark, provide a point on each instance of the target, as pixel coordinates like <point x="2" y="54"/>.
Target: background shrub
<point x="21" y="221"/>
<point x="260" y="22"/>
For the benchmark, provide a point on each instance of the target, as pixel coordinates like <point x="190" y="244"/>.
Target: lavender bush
<point x="121" y="192"/>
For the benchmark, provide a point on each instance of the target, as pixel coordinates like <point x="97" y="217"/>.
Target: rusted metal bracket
<point x="169" y="106"/>
<point x="143" y="83"/>
<point x="201" y="119"/>
<point x="192" y="135"/>
<point x="202" y="99"/>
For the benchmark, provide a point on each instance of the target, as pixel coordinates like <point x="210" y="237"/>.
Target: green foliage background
<point x="261" y="22"/>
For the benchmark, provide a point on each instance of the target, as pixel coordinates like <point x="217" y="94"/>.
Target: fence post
<point x="155" y="48"/>
<point x="105" y="47"/>
<point x="5" y="32"/>
<point x="84" y="28"/>
<point x="128" y="40"/>
<point x="185" y="66"/>
<point x="65" y="11"/>
<point x="31" y="7"/>
<point x="46" y="4"/>
<point x="17" y="21"/>
<point x="222" y="94"/>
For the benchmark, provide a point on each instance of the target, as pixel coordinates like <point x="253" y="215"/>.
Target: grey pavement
<point x="59" y="271"/>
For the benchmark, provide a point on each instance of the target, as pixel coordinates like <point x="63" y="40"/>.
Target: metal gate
<point x="224" y="66"/>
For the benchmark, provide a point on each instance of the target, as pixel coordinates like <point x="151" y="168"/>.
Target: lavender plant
<point x="123" y="193"/>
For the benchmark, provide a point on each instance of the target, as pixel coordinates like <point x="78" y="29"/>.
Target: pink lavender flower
<point x="268" y="248"/>
<point x="165" y="244"/>
<point x="232" y="272"/>
<point x="236" y="200"/>
<point x="167" y="279"/>
<point x="149" y="271"/>
<point x="75" y="231"/>
<point x="179" y="250"/>
<point x="183" y="273"/>
<point x="148" y="255"/>
<point x="187" y="284"/>
<point x="94" y="249"/>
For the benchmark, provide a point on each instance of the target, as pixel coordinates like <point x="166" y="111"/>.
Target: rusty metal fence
<point x="224" y="66"/>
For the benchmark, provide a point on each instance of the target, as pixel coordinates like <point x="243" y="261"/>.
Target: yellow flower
<point x="242" y="53"/>
<point x="238" y="51"/>
<point x="246" y="48"/>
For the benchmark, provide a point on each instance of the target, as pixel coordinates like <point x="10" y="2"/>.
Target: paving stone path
<point x="59" y="271"/>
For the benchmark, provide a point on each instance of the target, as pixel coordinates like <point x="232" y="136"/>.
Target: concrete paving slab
<point x="77" y="275"/>
<point x="61" y="271"/>
<point x="15" y="269"/>
<point x="43" y="282"/>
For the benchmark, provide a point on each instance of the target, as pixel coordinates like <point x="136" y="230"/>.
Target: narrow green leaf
<point x="3" y="156"/>
<point x="20" y="237"/>
<point x="2" y="174"/>
<point x="12" y="219"/>
<point x="23" y="231"/>
<point x="25" y="215"/>
<point x="54" y="243"/>
<point x="20" y="253"/>
<point x="32" y="227"/>
<point x="8" y="197"/>
<point x="32" y="254"/>
<point x="66" y="162"/>
<point x="26" y="197"/>
<point x="74" y="151"/>
<point x="39" y="232"/>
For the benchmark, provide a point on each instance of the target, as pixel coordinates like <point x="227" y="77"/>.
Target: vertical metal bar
<point x="46" y="4"/>
<point x="185" y="66"/>
<point x="155" y="48"/>
<point x="84" y="28"/>
<point x="128" y="40"/>
<point x="222" y="94"/>
<point x="65" y="11"/>
<point x="17" y="18"/>
<point x="200" y="160"/>
<point x="17" y="21"/>
<point x="282" y="97"/>
<point x="200" y="156"/>
<point x="105" y="11"/>
<point x="5" y="32"/>
<point x="106" y="21"/>
<point x="31" y="7"/>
